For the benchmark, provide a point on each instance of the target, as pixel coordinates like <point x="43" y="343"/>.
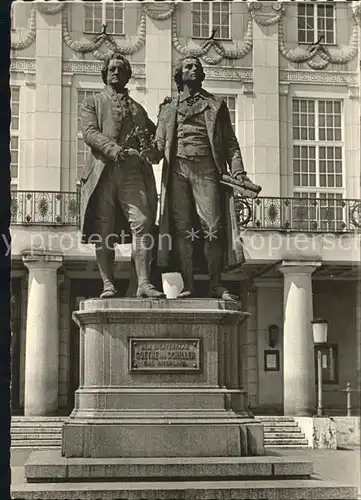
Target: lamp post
<point x="319" y="328"/>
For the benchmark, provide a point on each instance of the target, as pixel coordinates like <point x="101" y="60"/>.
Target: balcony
<point x="323" y="215"/>
<point x="50" y="208"/>
<point x="263" y="213"/>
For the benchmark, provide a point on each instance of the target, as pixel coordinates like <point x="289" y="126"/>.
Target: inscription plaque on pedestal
<point x="163" y="354"/>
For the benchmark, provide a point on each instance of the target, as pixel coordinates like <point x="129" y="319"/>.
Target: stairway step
<point x="293" y="442"/>
<point x="22" y="418"/>
<point x="37" y="445"/>
<point x="284" y="435"/>
<point x="286" y="439"/>
<point x="282" y="425"/>
<point x="27" y="426"/>
<point x="37" y="432"/>
<point x="32" y="440"/>
<point x="275" y="418"/>
<point x="25" y="430"/>
<point x="35" y="437"/>
<point x="290" y="446"/>
<point x="36" y="424"/>
<point x="296" y="434"/>
<point x="32" y="437"/>
<point x="279" y="428"/>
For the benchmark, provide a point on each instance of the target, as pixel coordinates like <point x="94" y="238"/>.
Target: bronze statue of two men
<point x="195" y="138"/>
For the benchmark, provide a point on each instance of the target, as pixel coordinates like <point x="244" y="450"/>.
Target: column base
<point x="299" y="413"/>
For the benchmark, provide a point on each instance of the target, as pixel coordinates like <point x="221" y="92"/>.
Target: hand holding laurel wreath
<point x="146" y="145"/>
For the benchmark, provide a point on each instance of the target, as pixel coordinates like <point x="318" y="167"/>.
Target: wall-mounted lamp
<point x="273" y="331"/>
<point x="319" y="330"/>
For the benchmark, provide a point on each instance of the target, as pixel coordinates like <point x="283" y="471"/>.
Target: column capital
<point x="38" y="260"/>
<point x="299" y="267"/>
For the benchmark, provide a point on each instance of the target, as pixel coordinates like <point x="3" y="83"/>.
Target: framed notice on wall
<point x="271" y="361"/>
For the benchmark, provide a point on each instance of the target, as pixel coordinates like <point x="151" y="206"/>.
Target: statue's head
<point x="116" y="70"/>
<point x="188" y="70"/>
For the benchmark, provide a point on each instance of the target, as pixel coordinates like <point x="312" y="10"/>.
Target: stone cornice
<point x="39" y="259"/>
<point x="297" y="267"/>
<point x="94" y="68"/>
<point x="159" y="316"/>
<point x="319" y="77"/>
<point x="22" y="64"/>
<point x="229" y="73"/>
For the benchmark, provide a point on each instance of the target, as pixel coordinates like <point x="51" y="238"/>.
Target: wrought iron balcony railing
<point x="45" y="207"/>
<point x="300" y="214"/>
<point x="280" y="214"/>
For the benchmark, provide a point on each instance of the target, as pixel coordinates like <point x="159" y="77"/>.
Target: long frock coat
<point x="101" y="119"/>
<point x="225" y="151"/>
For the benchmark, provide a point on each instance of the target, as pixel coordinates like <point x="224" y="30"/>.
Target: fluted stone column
<point x="298" y="355"/>
<point x="42" y="335"/>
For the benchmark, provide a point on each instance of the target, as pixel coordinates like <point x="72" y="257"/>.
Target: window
<point x="209" y="16"/>
<point x="81" y="148"/>
<point x="231" y="104"/>
<point x="329" y="363"/>
<point x="315" y="21"/>
<point x="14" y="135"/>
<point x="111" y="14"/>
<point x="318" y="164"/>
<point x="317" y="144"/>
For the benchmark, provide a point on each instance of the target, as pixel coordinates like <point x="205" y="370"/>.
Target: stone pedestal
<point x="159" y="413"/>
<point x="159" y="378"/>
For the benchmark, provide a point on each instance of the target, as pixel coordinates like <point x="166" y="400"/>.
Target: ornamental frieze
<point x="213" y="52"/>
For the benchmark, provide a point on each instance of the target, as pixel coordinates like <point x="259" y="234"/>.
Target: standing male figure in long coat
<point x="196" y="138"/>
<point x="118" y="190"/>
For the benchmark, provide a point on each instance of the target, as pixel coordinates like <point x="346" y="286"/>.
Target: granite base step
<point x="53" y="477"/>
<point x="51" y="466"/>
<point x="187" y="490"/>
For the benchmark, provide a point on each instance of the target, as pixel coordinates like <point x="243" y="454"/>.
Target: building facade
<point x="290" y="73"/>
